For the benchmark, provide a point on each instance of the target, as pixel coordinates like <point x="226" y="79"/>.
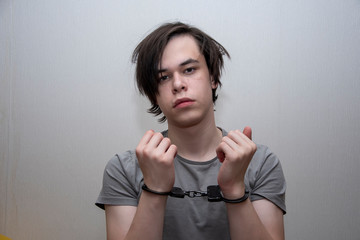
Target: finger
<point x="164" y="145"/>
<point x="222" y="150"/>
<point x="233" y="140"/>
<point x="238" y="142"/>
<point x="243" y="138"/>
<point x="237" y="138"/>
<point x="171" y="151"/>
<point x="146" y="138"/>
<point x="248" y="132"/>
<point x="155" y="140"/>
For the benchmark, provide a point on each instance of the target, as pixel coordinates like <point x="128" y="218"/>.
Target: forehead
<point x="179" y="49"/>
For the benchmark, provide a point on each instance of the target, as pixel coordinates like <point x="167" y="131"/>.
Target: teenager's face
<point x="185" y="87"/>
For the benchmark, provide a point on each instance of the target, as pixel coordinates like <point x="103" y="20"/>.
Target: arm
<point x="142" y="222"/>
<point x="272" y="218"/>
<point x="118" y="220"/>
<point x="155" y="155"/>
<point x="260" y="219"/>
<point x="257" y="220"/>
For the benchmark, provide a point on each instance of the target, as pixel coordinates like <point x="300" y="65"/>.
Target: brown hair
<point x="148" y="54"/>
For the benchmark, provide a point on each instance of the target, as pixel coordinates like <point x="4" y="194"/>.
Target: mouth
<point x="183" y="102"/>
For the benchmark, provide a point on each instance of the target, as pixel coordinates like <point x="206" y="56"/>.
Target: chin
<point x="185" y="122"/>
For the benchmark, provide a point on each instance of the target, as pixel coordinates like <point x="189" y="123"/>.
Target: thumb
<point x="248" y="132"/>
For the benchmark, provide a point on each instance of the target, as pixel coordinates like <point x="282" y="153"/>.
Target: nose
<point x="179" y="83"/>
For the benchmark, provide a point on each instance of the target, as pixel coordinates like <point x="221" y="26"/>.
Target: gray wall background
<point x="68" y="103"/>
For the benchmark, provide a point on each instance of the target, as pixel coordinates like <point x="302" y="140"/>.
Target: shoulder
<point x="124" y="166"/>
<point x="263" y="155"/>
<point x="124" y="162"/>
<point x="264" y="162"/>
<point x="121" y="180"/>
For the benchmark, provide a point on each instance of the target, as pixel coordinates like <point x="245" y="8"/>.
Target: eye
<point x="163" y="78"/>
<point x="189" y="70"/>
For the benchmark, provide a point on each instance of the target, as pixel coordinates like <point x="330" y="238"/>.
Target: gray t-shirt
<point x="193" y="218"/>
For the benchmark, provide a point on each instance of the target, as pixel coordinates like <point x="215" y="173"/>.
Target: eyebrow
<point x="190" y="60"/>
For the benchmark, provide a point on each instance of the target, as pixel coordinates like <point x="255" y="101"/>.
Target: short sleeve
<point x="121" y="181"/>
<point x="266" y="178"/>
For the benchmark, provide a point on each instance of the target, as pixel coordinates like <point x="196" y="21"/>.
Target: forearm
<point x="148" y="221"/>
<point x="244" y="222"/>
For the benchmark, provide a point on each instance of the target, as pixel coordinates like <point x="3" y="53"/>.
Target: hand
<point x="156" y="159"/>
<point x="235" y="152"/>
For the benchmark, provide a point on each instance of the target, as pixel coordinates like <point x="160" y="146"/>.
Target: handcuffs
<point x="213" y="194"/>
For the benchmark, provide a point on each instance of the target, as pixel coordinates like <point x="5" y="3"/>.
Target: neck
<point x="197" y="142"/>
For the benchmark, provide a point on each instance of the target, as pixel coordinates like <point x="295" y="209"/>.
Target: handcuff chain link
<point x="193" y="194"/>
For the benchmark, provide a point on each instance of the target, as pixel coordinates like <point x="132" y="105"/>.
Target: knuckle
<point x="231" y="133"/>
<point x="254" y="147"/>
<point x="167" y="141"/>
<point x="147" y="152"/>
<point x="158" y="135"/>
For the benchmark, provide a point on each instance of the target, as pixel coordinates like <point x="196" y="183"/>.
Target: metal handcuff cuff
<point x="213" y="193"/>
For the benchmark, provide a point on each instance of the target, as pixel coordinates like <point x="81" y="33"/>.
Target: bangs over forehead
<point x="182" y="59"/>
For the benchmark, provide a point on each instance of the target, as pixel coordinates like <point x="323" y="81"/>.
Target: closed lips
<point x="182" y="100"/>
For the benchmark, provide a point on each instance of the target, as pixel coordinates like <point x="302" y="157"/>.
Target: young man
<point x="178" y="69"/>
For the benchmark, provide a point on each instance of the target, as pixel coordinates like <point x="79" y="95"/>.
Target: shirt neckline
<point x="224" y="133"/>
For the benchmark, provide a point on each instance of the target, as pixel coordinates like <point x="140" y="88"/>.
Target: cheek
<point x="161" y="100"/>
<point x="161" y="93"/>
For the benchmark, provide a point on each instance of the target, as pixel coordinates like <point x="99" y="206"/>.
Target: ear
<point x="213" y="84"/>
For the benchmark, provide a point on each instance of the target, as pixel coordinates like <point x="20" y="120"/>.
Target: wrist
<point x="158" y="185"/>
<point x="234" y="192"/>
<point x="147" y="189"/>
<point x="215" y="194"/>
<point x="237" y="200"/>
